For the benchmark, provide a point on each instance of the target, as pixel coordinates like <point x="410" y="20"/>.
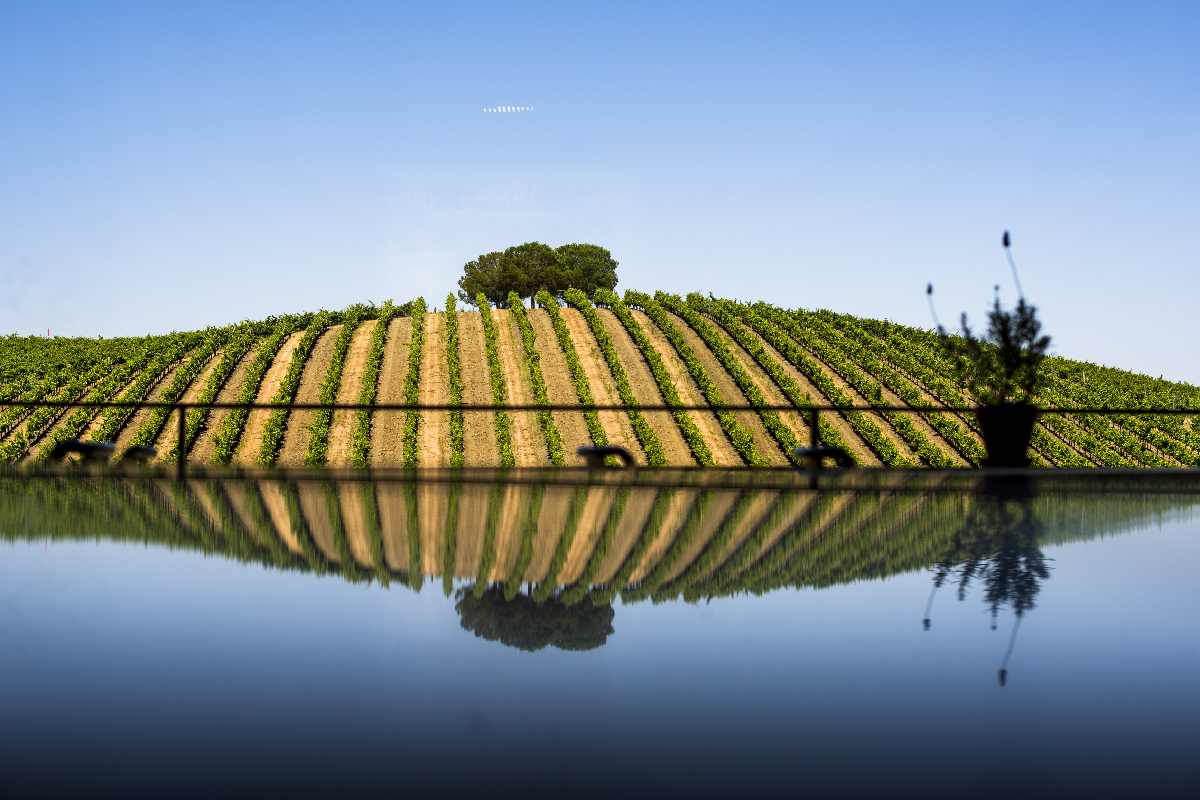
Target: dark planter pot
<point x="1006" y="430"/>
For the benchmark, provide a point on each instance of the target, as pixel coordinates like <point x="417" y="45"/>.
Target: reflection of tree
<point x="531" y="626"/>
<point x="997" y="547"/>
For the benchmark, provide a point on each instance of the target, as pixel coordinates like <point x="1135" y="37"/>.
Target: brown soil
<point x="637" y="509"/>
<point x="472" y="519"/>
<point x="572" y="427"/>
<point x="730" y="393"/>
<point x="393" y="523"/>
<point x="795" y="506"/>
<point x="760" y="505"/>
<point x="89" y="432"/>
<point x="251" y="442"/>
<point x="314" y="499"/>
<point x="273" y="499"/>
<point x="341" y="430"/>
<point x="935" y="438"/>
<point x="431" y="508"/>
<point x="793" y="420"/>
<point x="433" y="434"/>
<point x="479" y="427"/>
<point x="673" y="519"/>
<point x="722" y="451"/>
<point x="714" y="515"/>
<point x="591" y="521"/>
<point x="853" y="443"/>
<point x="604" y="390"/>
<point x="204" y="499"/>
<point x="140" y="417"/>
<point x="529" y="446"/>
<point x="297" y="435"/>
<point x="169" y="435"/>
<point x="645" y="390"/>
<point x="354" y="519"/>
<point x="238" y="493"/>
<point x="556" y="504"/>
<point x="204" y="450"/>
<point x="508" y="538"/>
<point x="888" y="431"/>
<point x="387" y="427"/>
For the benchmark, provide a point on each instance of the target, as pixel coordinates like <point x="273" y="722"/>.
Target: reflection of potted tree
<point x="997" y="547"/>
<point x="1003" y="372"/>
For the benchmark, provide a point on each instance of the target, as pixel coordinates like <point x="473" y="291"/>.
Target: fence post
<point x="181" y="447"/>
<point x="816" y="433"/>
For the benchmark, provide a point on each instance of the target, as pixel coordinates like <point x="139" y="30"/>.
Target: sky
<point x="166" y="168"/>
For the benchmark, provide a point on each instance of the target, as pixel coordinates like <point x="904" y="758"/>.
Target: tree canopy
<point x="525" y="624"/>
<point x="527" y="268"/>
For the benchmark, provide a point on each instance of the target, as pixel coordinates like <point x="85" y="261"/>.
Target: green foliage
<point x="591" y="570"/>
<point x="169" y="352"/>
<point x="578" y="377"/>
<point x="235" y="422"/>
<point x="650" y="531"/>
<point x="550" y="435"/>
<point x="587" y="267"/>
<point x="276" y="427"/>
<point x="865" y="352"/>
<point x="666" y="387"/>
<point x="360" y="445"/>
<point x="412" y="382"/>
<point x="570" y="529"/>
<point x="646" y="436"/>
<point x="499" y="390"/>
<point x="244" y="337"/>
<point x="318" y="429"/>
<point x="533" y="508"/>
<point x="488" y="552"/>
<point x="822" y="341"/>
<point x="75" y="423"/>
<point x="528" y="268"/>
<point x="450" y="537"/>
<point x="1005" y="365"/>
<point x="781" y="433"/>
<point x="738" y="436"/>
<point x="454" y="368"/>
<point x="771" y="325"/>
<point x="147" y="434"/>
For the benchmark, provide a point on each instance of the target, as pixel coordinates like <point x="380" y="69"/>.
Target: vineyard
<point x="636" y="352"/>
<point x="592" y="543"/>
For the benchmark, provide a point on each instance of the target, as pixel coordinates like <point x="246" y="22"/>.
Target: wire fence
<point x="811" y="414"/>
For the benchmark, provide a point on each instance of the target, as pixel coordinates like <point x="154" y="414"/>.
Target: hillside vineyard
<point x="637" y="351"/>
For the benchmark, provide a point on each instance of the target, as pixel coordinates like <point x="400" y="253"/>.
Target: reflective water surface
<point x="284" y="636"/>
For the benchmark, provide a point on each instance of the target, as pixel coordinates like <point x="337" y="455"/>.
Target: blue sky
<point x="166" y="169"/>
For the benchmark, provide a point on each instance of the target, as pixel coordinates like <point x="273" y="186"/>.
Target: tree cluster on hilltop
<point x="530" y="267"/>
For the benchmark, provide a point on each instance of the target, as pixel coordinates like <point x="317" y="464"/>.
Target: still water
<point x="287" y="637"/>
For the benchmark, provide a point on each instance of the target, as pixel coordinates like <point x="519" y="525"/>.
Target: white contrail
<point x="506" y="109"/>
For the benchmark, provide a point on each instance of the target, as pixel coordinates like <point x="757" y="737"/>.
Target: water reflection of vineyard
<point x="569" y="543"/>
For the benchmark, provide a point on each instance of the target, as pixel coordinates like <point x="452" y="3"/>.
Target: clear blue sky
<point x="163" y="168"/>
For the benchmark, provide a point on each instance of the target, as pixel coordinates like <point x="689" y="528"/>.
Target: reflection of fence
<point x="812" y="413"/>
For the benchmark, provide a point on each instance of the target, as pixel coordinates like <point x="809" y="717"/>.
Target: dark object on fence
<point x="140" y="454"/>
<point x="89" y="452"/>
<point x="1006" y="429"/>
<point x="813" y="457"/>
<point x="595" y="457"/>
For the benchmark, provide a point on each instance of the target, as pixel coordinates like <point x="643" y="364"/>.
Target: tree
<point x="531" y="626"/>
<point x="588" y="267"/>
<point x="529" y="267"/>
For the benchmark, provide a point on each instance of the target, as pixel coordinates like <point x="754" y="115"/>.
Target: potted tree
<point x="1003" y="370"/>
